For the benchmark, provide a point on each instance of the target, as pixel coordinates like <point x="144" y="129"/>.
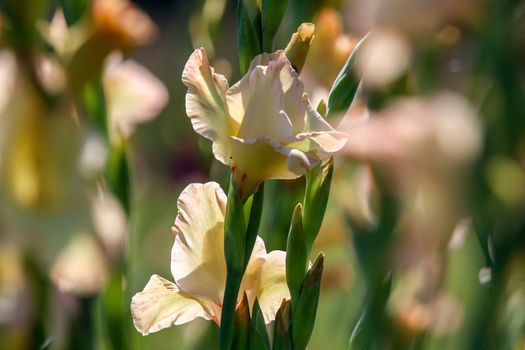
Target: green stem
<point x="233" y="283"/>
<point x="241" y="224"/>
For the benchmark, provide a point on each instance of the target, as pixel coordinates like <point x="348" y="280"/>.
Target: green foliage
<point x="74" y="10"/>
<point x="248" y="36"/>
<point x="259" y="339"/>
<point x="272" y="13"/>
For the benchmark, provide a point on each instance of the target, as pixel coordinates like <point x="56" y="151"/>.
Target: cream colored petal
<point x="250" y="279"/>
<point x="257" y="101"/>
<point x="257" y="160"/>
<point x="318" y="138"/>
<point x="265" y="58"/>
<point x="292" y="87"/>
<point x="197" y="258"/>
<point x="206" y="103"/>
<point x="314" y="121"/>
<point x="272" y="287"/>
<point x="161" y="305"/>
<point x="134" y="95"/>
<point x="293" y="90"/>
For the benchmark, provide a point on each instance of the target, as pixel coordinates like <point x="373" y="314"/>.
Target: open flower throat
<point x="198" y="267"/>
<point x="263" y="126"/>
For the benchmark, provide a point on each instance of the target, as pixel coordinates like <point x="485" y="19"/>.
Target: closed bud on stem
<point x="346" y="84"/>
<point x="281" y="335"/>
<point x="241" y="325"/>
<point x="297" y="48"/>
<point x="318" y="182"/>
<point x="296" y="254"/>
<point x="306" y="307"/>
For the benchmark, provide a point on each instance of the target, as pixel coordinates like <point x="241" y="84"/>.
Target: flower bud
<point x="298" y="46"/>
<point x="318" y="182"/>
<point x="346" y="84"/>
<point x="281" y="335"/>
<point x="296" y="254"/>
<point x="306" y="309"/>
<point x="241" y="325"/>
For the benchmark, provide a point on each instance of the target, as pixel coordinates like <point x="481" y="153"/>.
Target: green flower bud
<point x="345" y="85"/>
<point x="241" y="325"/>
<point x="318" y="181"/>
<point x="281" y="335"/>
<point x="306" y="309"/>
<point x="297" y="253"/>
<point x="253" y="211"/>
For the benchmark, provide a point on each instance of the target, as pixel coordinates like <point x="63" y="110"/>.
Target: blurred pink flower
<point x="134" y="94"/>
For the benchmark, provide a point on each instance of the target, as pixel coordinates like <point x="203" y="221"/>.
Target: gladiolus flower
<point x="264" y="126"/>
<point x="198" y="266"/>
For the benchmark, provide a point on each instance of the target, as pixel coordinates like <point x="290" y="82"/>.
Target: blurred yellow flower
<point x="263" y="126"/>
<point x="199" y="268"/>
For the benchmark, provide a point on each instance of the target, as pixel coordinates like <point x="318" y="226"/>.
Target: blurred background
<point x="424" y="232"/>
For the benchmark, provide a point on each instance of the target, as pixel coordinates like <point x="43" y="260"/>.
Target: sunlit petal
<point x="272" y="287"/>
<point x="292" y="87"/>
<point x="257" y="101"/>
<point x="197" y="258"/>
<point x="250" y="279"/>
<point x="161" y="305"/>
<point x="206" y="103"/>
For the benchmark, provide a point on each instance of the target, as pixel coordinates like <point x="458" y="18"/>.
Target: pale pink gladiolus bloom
<point x="198" y="267"/>
<point x="264" y="126"/>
